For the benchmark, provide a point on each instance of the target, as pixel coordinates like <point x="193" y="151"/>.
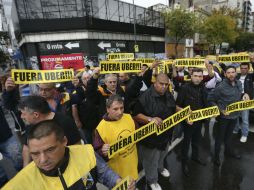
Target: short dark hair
<point x="114" y="98"/>
<point x="34" y="103"/>
<point x="197" y="70"/>
<point x="245" y="63"/>
<point x="230" y="67"/>
<point x="87" y="66"/>
<point x="44" y="129"/>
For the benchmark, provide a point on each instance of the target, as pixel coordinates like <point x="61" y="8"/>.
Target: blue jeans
<point x="245" y="123"/>
<point x="11" y="150"/>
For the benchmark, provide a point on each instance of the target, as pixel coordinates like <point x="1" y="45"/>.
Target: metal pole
<point x="245" y="17"/>
<point x="134" y="25"/>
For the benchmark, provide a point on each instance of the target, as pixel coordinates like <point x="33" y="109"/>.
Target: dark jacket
<point x="132" y="91"/>
<point x="100" y="94"/>
<point x="88" y="109"/>
<point x="248" y="84"/>
<point x="225" y="93"/>
<point x="151" y="104"/>
<point x="10" y="100"/>
<point x="5" y="131"/>
<point x="193" y="95"/>
<point x="129" y="93"/>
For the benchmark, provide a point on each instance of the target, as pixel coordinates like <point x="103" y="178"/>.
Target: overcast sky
<point x="148" y="3"/>
<point x="143" y="3"/>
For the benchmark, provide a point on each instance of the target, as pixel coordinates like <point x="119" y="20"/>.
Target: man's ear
<point x="36" y="114"/>
<point x="65" y="141"/>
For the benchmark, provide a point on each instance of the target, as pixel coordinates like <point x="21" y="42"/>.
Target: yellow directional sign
<point x="136" y="48"/>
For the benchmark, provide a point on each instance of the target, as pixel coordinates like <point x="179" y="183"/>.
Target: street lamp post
<point x="134" y="27"/>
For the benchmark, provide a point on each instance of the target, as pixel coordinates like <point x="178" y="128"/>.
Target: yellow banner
<point x="167" y="62"/>
<point x="190" y="63"/>
<point x="241" y="105"/>
<point x="146" y="131"/>
<point x="120" y="56"/>
<point x="41" y="76"/>
<point x="134" y="137"/>
<point x="211" y="57"/>
<point x="234" y="58"/>
<point x="161" y="68"/>
<point x="204" y="113"/>
<point x="123" y="185"/>
<point x="120" y="67"/>
<point x="173" y="120"/>
<point x="146" y="60"/>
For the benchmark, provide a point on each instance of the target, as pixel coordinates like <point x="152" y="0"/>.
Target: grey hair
<point x="112" y="99"/>
<point x="110" y="75"/>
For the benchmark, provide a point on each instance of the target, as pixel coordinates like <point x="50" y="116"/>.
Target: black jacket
<point x="11" y="100"/>
<point x="193" y="95"/>
<point x="5" y="131"/>
<point x="248" y="84"/>
<point x="128" y="93"/>
<point x="150" y="103"/>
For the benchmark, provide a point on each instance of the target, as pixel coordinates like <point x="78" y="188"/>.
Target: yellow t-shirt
<point x="124" y="163"/>
<point x="82" y="160"/>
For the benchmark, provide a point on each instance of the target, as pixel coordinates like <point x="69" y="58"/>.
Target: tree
<point x="180" y="24"/>
<point x="219" y="28"/>
<point x="3" y="58"/>
<point x="234" y="13"/>
<point x="244" y="42"/>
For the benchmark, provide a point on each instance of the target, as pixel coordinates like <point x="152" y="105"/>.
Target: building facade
<point x="50" y="31"/>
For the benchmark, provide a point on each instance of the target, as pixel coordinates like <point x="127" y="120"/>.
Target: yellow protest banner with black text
<point x="204" y="113"/>
<point x="120" y="67"/>
<point x="41" y="76"/>
<point x="120" y="56"/>
<point x="168" y="65"/>
<point x="123" y="185"/>
<point x="234" y="58"/>
<point x="161" y="68"/>
<point x="134" y="137"/>
<point x="148" y="61"/>
<point x="190" y="63"/>
<point x="173" y="120"/>
<point x="241" y="105"/>
<point x="168" y="62"/>
<point x="148" y="130"/>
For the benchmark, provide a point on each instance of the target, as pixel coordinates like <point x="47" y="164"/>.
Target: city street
<point x="231" y="175"/>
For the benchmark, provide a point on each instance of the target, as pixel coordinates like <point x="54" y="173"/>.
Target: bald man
<point x="155" y="104"/>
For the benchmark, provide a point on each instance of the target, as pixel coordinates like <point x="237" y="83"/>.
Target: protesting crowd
<point x="106" y="126"/>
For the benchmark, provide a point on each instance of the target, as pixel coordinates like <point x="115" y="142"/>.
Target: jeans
<point x="153" y="162"/>
<point x="245" y="123"/>
<point x="11" y="150"/>
<point x="224" y="133"/>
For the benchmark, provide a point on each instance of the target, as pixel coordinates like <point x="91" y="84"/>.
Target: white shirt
<point x="242" y="79"/>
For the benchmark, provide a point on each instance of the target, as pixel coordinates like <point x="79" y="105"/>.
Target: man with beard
<point x="227" y="92"/>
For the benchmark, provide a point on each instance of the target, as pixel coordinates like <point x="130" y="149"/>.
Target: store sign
<point x="65" y="61"/>
<point x="112" y="46"/>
